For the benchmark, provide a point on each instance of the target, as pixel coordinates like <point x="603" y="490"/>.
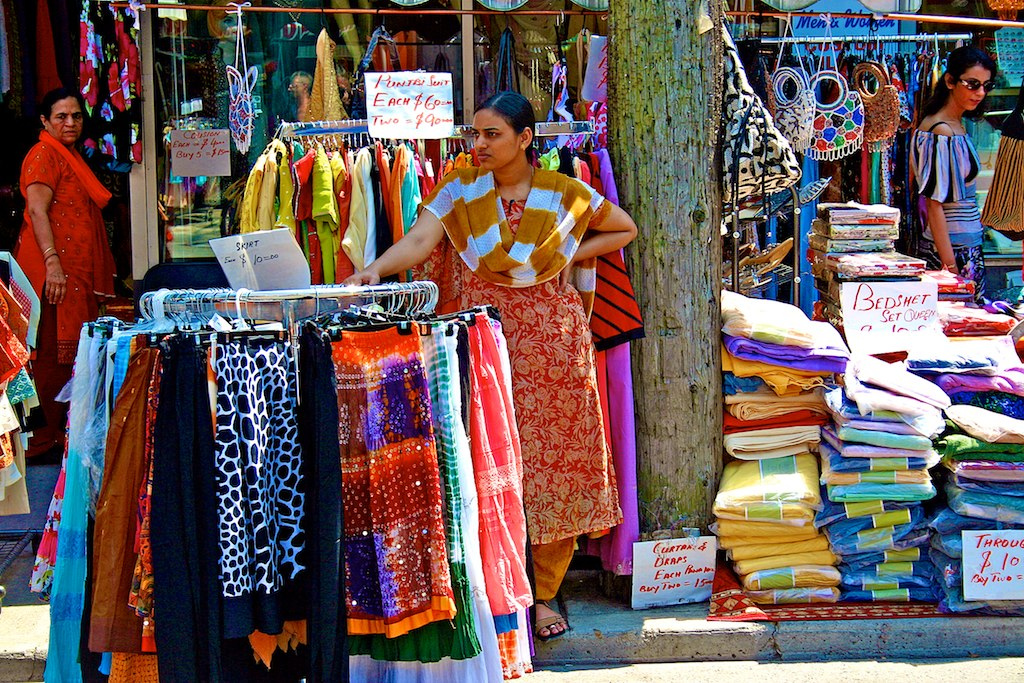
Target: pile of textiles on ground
<point x="875" y="456"/>
<point x="982" y="453"/>
<point x="776" y="365"/>
<point x="854" y="243"/>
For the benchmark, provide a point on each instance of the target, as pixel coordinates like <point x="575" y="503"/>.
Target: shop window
<point x="191" y="88"/>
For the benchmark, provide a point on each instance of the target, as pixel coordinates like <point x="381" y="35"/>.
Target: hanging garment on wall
<point x="110" y="78"/>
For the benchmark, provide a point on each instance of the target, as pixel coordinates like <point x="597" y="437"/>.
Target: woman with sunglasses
<point x="946" y="167"/>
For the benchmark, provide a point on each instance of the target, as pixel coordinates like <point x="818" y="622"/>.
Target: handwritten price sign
<point x="674" y="571"/>
<point x="200" y="153"/>
<point x="413" y="105"/>
<point x="993" y="565"/>
<point x="880" y="317"/>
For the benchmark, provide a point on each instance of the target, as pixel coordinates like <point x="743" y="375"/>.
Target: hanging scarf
<point x="557" y="214"/>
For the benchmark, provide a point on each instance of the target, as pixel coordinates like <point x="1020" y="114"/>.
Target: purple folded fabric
<point x="987" y="470"/>
<point x="1009" y="380"/>
<point x="875" y="425"/>
<point x="794" y="357"/>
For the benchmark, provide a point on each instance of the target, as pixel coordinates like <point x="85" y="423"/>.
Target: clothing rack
<point x="289" y="306"/>
<point x="876" y="38"/>
<point x="367" y="10"/>
<point x="295" y="129"/>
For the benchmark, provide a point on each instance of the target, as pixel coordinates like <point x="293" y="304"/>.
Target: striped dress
<point x="946" y="168"/>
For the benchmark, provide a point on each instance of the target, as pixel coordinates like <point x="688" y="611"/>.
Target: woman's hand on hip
<point x="56" y="286"/>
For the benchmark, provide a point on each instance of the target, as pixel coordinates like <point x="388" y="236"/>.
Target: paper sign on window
<point x="410" y="105"/>
<point x="200" y="153"/>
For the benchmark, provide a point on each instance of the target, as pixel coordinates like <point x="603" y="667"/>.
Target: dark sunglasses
<point x="973" y="84"/>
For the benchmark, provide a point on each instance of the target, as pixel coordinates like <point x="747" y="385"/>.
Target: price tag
<point x="674" y="571"/>
<point x="410" y="105"/>
<point x="269" y="259"/>
<point x="200" y="153"/>
<point x="993" y="565"/>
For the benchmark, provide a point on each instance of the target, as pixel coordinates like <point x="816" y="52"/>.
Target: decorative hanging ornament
<point x="241" y="81"/>
<point x="839" y="126"/>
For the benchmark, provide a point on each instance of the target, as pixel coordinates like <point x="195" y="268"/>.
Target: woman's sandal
<point x="547" y="622"/>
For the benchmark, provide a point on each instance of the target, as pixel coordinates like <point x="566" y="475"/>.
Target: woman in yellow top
<point x="524" y="240"/>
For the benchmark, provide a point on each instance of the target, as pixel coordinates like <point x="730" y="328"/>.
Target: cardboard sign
<point x="993" y="565"/>
<point x="879" y="317"/>
<point x="410" y="105"/>
<point x="200" y="153"/>
<point x="269" y="259"/>
<point x="595" y="82"/>
<point x="674" y="571"/>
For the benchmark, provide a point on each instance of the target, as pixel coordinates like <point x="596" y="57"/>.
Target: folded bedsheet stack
<point x="764" y="514"/>
<point x="776" y="363"/>
<point x="951" y="287"/>
<point x="854" y="242"/>
<point x="875" y="455"/>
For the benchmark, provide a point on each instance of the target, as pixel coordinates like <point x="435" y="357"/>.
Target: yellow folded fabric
<point x="794" y="596"/>
<point x="800" y="576"/>
<point x="755" y="550"/>
<point x="775" y="442"/>
<point x="734" y="533"/>
<point x="829" y="476"/>
<point x="761" y="405"/>
<point x="744" y="567"/>
<point x="779" y="489"/>
<point x="783" y="381"/>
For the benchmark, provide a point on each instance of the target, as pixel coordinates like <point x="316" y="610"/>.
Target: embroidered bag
<point x="881" y="107"/>
<point x="793" y="115"/>
<point x="838" y="126"/>
<point x="758" y="159"/>
<point x="241" y="115"/>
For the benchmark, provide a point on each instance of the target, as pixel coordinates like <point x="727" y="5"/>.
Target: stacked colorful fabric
<point x="876" y="454"/>
<point x="765" y="513"/>
<point x="982" y="451"/>
<point x="777" y="364"/>
<point x="853" y="242"/>
<point x="963" y="320"/>
<point x="951" y="287"/>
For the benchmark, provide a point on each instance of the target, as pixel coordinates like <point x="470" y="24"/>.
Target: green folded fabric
<point x="964" y="447"/>
<point x="912" y="442"/>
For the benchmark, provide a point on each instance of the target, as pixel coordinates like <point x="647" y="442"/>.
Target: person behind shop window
<point x="568" y="481"/>
<point x="63" y="250"/>
<point x="300" y="86"/>
<point x="946" y="167"/>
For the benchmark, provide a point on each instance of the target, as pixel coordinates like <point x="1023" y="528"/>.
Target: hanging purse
<point x="380" y="37"/>
<point x="881" y="107"/>
<point x="793" y="115"/>
<point x="839" y="126"/>
<point x="758" y="159"/>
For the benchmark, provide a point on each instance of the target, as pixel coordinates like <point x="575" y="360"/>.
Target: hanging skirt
<point x="397" y="575"/>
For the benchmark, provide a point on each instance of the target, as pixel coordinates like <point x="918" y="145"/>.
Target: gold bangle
<point x="54" y="254"/>
<point x="48" y="251"/>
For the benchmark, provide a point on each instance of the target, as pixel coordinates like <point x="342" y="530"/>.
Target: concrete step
<point x="24" y="633"/>
<point x="606" y="631"/>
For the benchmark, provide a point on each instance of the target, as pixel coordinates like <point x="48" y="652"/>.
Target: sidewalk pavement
<point x="606" y="632"/>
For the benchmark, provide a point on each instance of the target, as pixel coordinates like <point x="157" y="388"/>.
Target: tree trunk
<point x="664" y="75"/>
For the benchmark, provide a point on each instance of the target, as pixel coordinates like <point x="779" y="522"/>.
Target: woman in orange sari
<point x="63" y="250"/>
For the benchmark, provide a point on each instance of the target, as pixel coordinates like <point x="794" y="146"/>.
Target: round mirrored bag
<point x="794" y="115"/>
